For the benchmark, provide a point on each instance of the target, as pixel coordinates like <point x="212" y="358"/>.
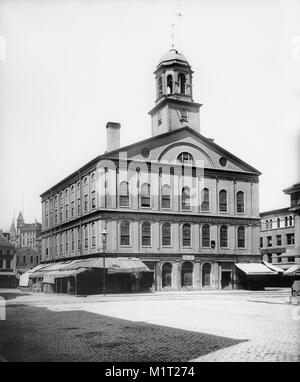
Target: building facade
<point x="178" y="201"/>
<point x="7" y="263"/>
<point x="277" y="237"/>
<point x="28" y="243"/>
<point x="294" y="193"/>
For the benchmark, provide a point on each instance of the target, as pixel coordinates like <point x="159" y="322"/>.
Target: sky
<point x="67" y="67"/>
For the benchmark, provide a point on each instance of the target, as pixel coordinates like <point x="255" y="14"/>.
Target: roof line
<point x="124" y="148"/>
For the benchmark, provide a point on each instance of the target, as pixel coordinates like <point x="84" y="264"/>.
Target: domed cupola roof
<point x="171" y="56"/>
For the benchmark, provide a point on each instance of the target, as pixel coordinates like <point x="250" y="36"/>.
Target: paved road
<point x="198" y="326"/>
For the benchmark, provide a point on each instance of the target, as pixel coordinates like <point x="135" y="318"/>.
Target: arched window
<point x="166" y="196"/>
<point x="166" y="234"/>
<point x="185" y="199"/>
<point x="166" y="275"/>
<point x="187" y="274"/>
<point x="185" y="158"/>
<point x="186" y="235"/>
<point x="241" y="237"/>
<point x="286" y="221"/>
<point x="205" y="235"/>
<point x="278" y="222"/>
<point x="240" y="204"/>
<point x="205" y="200"/>
<point x="145" y="195"/>
<point x="160" y="88"/>
<point x="125" y="233"/>
<point x="223" y="201"/>
<point x="169" y="84"/>
<point x="124" y="194"/>
<point x="223" y="236"/>
<point x="182" y="83"/>
<point x="146" y="234"/>
<point x="271" y="223"/>
<point x="267" y="224"/>
<point x="206" y="272"/>
<point x="291" y="220"/>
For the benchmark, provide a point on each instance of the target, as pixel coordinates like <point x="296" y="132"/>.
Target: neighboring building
<point x="294" y="191"/>
<point x="277" y="237"/>
<point x="28" y="242"/>
<point x="188" y="209"/>
<point x="7" y="263"/>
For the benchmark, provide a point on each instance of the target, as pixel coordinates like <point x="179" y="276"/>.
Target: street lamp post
<point x="104" y="235"/>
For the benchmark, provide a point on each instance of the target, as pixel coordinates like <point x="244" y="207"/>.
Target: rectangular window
<point x="166" y="201"/>
<point x="145" y="201"/>
<point x="269" y="241"/>
<point x="184" y="116"/>
<point x="8" y="263"/>
<point x="290" y="239"/>
<point x="1" y="263"/>
<point x="279" y="259"/>
<point x="291" y="259"/>
<point x="261" y="242"/>
<point x="270" y="258"/>
<point x="278" y="238"/>
<point x="125" y="233"/>
<point x="72" y="208"/>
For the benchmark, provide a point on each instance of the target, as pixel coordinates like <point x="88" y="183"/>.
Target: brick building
<point x="277" y="237"/>
<point x="182" y="204"/>
<point x="28" y="243"/>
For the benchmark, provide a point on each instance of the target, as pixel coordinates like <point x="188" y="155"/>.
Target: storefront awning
<point x="295" y="252"/>
<point x="125" y="265"/>
<point x="112" y="264"/>
<point x="255" y="269"/>
<point x="273" y="267"/>
<point x="295" y="269"/>
<point x="49" y="277"/>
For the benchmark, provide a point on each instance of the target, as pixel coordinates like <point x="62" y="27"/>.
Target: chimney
<point x="113" y="136"/>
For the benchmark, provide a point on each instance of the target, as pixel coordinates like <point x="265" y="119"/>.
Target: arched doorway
<point x="187" y="274"/>
<point x="206" y="271"/>
<point x="167" y="275"/>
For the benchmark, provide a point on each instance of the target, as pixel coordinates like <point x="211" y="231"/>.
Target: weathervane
<point x="176" y="23"/>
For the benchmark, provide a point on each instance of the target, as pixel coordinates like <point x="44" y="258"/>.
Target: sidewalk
<point x="274" y="295"/>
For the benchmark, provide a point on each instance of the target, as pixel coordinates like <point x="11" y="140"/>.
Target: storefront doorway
<point x="206" y="275"/>
<point x="226" y="280"/>
<point x="187" y="274"/>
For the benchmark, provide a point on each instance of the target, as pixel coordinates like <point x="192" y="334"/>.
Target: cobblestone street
<point x="186" y="326"/>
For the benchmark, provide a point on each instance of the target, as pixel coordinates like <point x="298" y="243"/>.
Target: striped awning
<point x="295" y="269"/>
<point x="255" y="269"/>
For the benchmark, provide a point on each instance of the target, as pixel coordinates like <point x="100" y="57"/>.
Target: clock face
<point x="223" y="161"/>
<point x="145" y="152"/>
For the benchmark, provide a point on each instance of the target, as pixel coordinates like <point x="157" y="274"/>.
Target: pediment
<point x="166" y="147"/>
